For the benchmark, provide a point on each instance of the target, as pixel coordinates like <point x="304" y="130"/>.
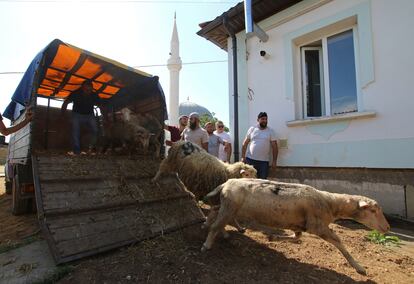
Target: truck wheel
<point x="19" y="204"/>
<point x="8" y="186"/>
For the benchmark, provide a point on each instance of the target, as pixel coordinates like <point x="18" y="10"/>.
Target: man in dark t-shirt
<point x="84" y="100"/>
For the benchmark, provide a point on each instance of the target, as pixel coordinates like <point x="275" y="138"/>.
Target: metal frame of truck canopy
<point x="61" y="68"/>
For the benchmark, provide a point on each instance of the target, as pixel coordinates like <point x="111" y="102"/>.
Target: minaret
<point x="174" y="65"/>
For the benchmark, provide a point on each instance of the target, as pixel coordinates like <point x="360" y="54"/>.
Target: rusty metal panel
<point x="88" y="205"/>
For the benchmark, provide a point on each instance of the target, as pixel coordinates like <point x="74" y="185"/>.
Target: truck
<point x="87" y="204"/>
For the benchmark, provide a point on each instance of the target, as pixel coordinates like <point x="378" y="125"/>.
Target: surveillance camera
<point x="264" y="54"/>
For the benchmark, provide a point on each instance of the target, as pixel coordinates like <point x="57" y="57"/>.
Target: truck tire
<point x="8" y="186"/>
<point x="19" y="205"/>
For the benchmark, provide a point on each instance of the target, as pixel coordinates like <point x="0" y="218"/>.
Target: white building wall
<point x="383" y="141"/>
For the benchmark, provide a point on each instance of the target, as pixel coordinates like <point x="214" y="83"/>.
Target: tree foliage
<point x="206" y="118"/>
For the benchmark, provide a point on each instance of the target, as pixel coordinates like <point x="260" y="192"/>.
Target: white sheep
<point x="298" y="207"/>
<point x="200" y="171"/>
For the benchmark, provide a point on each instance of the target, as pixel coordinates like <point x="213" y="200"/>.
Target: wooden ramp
<point x="88" y="205"/>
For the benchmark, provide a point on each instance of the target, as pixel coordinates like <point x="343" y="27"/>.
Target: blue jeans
<point x="262" y="167"/>
<point x="79" y="120"/>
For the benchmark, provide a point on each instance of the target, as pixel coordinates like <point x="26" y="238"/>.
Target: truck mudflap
<point x="91" y="204"/>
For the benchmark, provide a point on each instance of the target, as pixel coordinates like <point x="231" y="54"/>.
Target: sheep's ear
<point x="362" y="204"/>
<point x="242" y="171"/>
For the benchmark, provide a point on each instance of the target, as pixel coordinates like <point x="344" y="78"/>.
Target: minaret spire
<point x="174" y="65"/>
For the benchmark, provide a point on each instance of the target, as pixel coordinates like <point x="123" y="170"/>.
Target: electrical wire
<point x="141" y="66"/>
<point x="185" y="63"/>
<point x="122" y="1"/>
<point x="11" y="73"/>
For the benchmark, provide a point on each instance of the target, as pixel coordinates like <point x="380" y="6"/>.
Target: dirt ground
<point x="243" y="258"/>
<point x="13" y="229"/>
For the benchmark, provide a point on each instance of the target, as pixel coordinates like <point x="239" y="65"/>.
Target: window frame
<point x="304" y="80"/>
<point x="325" y="92"/>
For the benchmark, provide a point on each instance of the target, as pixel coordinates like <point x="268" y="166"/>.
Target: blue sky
<point x="136" y="33"/>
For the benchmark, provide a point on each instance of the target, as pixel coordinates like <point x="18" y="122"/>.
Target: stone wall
<point x="392" y="188"/>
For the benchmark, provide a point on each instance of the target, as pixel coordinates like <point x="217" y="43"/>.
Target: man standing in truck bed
<point x="84" y="100"/>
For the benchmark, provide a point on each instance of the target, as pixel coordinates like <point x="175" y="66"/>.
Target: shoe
<point x="92" y="151"/>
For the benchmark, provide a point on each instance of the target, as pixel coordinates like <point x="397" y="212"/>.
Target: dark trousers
<point x="262" y="167"/>
<point x="79" y="120"/>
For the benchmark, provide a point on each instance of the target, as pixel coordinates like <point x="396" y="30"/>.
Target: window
<point x="329" y="76"/>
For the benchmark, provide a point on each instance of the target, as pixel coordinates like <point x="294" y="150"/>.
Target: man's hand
<point x="273" y="166"/>
<point x="243" y="159"/>
<point x="168" y="143"/>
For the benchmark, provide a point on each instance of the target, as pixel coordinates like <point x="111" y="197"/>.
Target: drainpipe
<point x="230" y="32"/>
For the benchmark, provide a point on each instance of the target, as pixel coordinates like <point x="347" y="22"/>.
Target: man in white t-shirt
<point x="194" y="133"/>
<point x="259" y="141"/>
<point x="224" y="150"/>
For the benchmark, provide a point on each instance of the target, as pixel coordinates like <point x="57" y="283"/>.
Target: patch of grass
<point x="59" y="273"/>
<point x="10" y="245"/>
<point x="378" y="238"/>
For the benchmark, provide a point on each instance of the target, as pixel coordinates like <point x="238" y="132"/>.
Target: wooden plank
<point x="54" y="187"/>
<point x="99" y="161"/>
<point x="92" y="236"/>
<point x="92" y="223"/>
<point x="108" y="192"/>
<point x="133" y="187"/>
<point x="91" y="160"/>
<point x="59" y="129"/>
<point x="98" y="165"/>
<point x="73" y="174"/>
<point x="22" y="152"/>
<point x="24" y="143"/>
<point x="80" y="168"/>
<point x="23" y="132"/>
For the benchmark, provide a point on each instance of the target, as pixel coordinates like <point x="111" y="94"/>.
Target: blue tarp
<point x="24" y="89"/>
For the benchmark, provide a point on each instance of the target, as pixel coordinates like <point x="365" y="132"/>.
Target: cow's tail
<point x="216" y="191"/>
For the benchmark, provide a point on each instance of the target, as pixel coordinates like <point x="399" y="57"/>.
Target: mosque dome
<point x="185" y="108"/>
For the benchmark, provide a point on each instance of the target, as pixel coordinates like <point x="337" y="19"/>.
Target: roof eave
<point x="219" y="36"/>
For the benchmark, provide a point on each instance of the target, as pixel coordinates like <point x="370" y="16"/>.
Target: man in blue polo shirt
<point x="259" y="141"/>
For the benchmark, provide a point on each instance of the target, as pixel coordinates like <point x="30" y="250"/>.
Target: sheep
<point x="297" y="207"/>
<point x="150" y="123"/>
<point x="123" y="134"/>
<point x="200" y="171"/>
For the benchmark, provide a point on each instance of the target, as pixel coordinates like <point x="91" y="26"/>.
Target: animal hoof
<point x="361" y="270"/>
<point x="203" y="248"/>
